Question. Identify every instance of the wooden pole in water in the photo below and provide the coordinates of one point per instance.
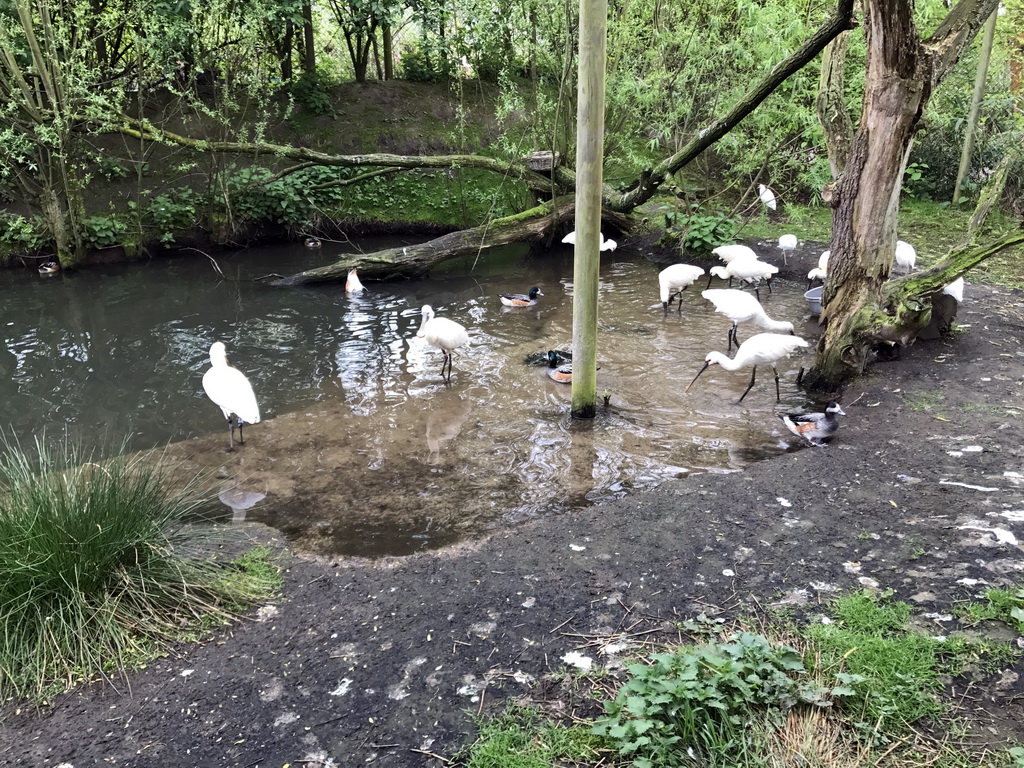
(589, 178)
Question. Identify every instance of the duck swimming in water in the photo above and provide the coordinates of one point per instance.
(521, 299)
(312, 242)
(560, 373)
(814, 427)
(49, 267)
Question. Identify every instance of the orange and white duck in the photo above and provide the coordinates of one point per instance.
(312, 242)
(521, 299)
(814, 427)
(560, 373)
(49, 267)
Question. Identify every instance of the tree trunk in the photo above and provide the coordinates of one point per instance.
(902, 72)
(308, 42)
(418, 260)
(389, 54)
(286, 53)
(831, 104)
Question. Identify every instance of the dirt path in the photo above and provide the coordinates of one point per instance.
(377, 662)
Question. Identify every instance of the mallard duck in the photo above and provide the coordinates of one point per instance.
(49, 267)
(521, 299)
(814, 427)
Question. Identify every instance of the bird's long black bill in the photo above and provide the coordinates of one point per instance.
(696, 377)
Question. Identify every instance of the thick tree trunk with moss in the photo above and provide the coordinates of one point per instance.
(902, 71)
(418, 260)
(831, 104)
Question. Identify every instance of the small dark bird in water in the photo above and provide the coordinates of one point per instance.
(814, 427)
(520, 299)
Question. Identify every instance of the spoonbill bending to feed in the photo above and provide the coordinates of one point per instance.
(906, 256)
(741, 307)
(787, 243)
(606, 245)
(751, 271)
(521, 299)
(729, 253)
(956, 290)
(444, 334)
(814, 427)
(676, 279)
(821, 271)
(352, 283)
(231, 392)
(767, 196)
(761, 349)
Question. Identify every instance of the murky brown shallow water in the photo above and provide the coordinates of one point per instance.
(364, 449)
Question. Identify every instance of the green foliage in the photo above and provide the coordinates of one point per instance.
(172, 212)
(703, 699)
(916, 182)
(1006, 605)
(419, 64)
(21, 234)
(520, 737)
(103, 231)
(704, 231)
(311, 94)
(896, 671)
(99, 566)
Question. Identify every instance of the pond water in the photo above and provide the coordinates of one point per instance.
(120, 350)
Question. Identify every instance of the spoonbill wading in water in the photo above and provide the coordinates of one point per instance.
(761, 349)
(231, 392)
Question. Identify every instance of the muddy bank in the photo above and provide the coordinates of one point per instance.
(922, 492)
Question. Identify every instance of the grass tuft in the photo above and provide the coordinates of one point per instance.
(99, 567)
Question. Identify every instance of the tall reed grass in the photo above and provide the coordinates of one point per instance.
(100, 566)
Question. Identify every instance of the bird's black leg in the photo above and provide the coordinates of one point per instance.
(769, 281)
(241, 441)
(757, 291)
(778, 395)
(753, 373)
(679, 296)
(728, 339)
(231, 434)
(736, 336)
(710, 276)
(800, 377)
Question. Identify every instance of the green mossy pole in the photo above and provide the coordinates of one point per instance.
(589, 178)
(979, 92)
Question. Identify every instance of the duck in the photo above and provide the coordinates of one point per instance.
(49, 267)
(352, 282)
(521, 299)
(814, 427)
(312, 242)
(560, 373)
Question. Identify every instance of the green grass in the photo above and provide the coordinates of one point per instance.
(520, 737)
(1006, 605)
(99, 568)
(924, 400)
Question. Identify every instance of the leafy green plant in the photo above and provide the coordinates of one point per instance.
(917, 183)
(705, 231)
(22, 234)
(1006, 605)
(99, 567)
(701, 700)
(104, 231)
(311, 94)
(172, 212)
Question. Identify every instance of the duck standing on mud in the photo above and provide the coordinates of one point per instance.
(814, 427)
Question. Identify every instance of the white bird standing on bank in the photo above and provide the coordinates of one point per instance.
(787, 243)
(761, 349)
(728, 253)
(821, 271)
(752, 271)
(231, 392)
(767, 196)
(606, 245)
(741, 307)
(906, 256)
(674, 280)
(445, 334)
(352, 282)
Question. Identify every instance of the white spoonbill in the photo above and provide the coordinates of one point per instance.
(906, 256)
(676, 279)
(231, 392)
(760, 349)
(820, 272)
(956, 290)
(752, 271)
(729, 253)
(741, 307)
(352, 283)
(787, 243)
(767, 196)
(444, 334)
(606, 245)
